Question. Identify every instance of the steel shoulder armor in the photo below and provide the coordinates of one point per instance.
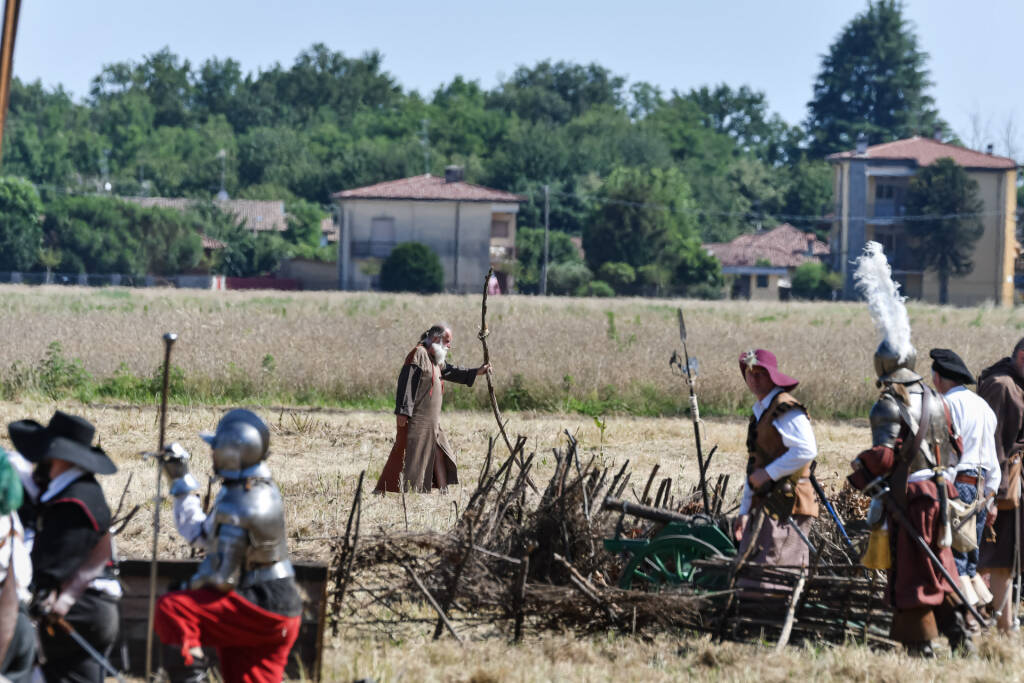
(885, 420)
(892, 412)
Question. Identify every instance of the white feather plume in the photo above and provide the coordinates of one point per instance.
(873, 279)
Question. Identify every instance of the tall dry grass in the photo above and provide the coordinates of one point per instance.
(316, 458)
(555, 353)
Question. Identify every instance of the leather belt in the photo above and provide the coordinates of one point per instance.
(964, 478)
(270, 572)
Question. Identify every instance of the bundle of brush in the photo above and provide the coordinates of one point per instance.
(513, 557)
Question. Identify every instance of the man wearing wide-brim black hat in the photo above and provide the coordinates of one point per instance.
(72, 540)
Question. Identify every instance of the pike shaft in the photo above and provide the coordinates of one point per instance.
(832, 512)
(169, 340)
(701, 465)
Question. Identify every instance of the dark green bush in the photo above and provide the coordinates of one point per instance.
(706, 290)
(568, 277)
(596, 288)
(620, 276)
(412, 267)
(814, 280)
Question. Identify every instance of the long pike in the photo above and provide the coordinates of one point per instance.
(694, 413)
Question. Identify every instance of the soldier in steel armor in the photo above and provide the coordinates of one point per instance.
(913, 447)
(243, 600)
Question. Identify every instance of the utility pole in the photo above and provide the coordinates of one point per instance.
(222, 154)
(544, 265)
(425, 142)
(455, 266)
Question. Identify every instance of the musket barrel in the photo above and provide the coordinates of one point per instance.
(644, 511)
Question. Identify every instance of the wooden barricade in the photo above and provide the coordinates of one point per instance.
(306, 656)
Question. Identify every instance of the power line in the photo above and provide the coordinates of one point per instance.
(804, 218)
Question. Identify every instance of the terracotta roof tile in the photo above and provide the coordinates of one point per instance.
(783, 247)
(212, 243)
(259, 215)
(924, 151)
(429, 188)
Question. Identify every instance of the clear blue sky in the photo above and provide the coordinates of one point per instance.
(772, 46)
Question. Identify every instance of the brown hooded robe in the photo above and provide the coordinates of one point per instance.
(1002, 386)
(421, 449)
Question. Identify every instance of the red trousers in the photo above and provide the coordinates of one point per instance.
(252, 643)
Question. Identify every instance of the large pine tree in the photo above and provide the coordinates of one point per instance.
(873, 80)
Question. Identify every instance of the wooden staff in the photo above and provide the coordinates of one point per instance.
(169, 340)
(482, 336)
(10, 29)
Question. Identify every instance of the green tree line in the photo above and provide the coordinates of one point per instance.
(715, 159)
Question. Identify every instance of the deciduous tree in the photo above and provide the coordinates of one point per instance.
(20, 233)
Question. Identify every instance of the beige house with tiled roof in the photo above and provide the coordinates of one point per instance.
(870, 185)
(259, 215)
(469, 227)
(761, 264)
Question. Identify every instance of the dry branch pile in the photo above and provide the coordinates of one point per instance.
(516, 559)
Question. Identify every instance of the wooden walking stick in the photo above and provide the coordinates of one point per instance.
(482, 336)
(169, 340)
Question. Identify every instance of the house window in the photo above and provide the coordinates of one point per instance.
(382, 229)
(888, 242)
(499, 228)
(884, 191)
(762, 281)
(382, 237)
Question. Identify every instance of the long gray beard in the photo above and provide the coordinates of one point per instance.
(439, 352)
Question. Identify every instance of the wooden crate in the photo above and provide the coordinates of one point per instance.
(305, 657)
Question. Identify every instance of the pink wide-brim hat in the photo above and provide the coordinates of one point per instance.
(766, 360)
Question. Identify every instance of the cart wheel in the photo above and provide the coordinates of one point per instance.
(667, 560)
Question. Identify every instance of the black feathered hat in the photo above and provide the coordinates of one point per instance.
(951, 366)
(66, 437)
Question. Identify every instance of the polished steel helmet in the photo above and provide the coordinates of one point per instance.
(242, 440)
(890, 368)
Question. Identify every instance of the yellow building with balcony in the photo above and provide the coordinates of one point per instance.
(870, 186)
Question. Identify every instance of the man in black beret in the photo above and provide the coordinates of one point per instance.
(977, 473)
(72, 552)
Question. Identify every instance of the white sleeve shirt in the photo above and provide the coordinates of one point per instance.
(976, 424)
(22, 560)
(801, 447)
(192, 523)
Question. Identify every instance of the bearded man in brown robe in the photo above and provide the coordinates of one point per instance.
(421, 452)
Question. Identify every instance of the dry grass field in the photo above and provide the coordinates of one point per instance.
(343, 348)
(607, 355)
(317, 457)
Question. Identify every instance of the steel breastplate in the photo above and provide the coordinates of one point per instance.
(279, 570)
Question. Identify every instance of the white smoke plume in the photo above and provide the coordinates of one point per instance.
(873, 279)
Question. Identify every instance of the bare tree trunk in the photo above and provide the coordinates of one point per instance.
(943, 287)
